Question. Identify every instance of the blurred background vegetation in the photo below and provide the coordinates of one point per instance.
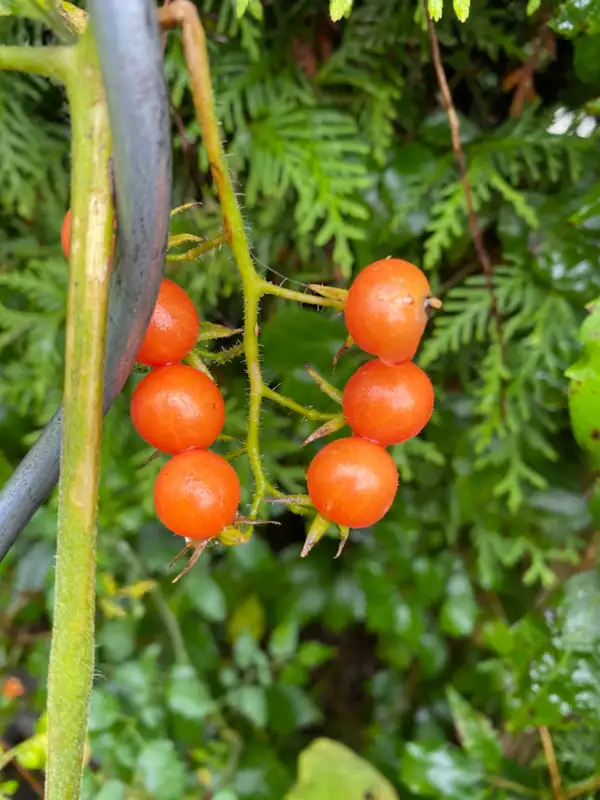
(455, 646)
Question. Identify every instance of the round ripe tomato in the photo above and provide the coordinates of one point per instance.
(388, 403)
(386, 310)
(176, 408)
(173, 327)
(65, 234)
(352, 482)
(196, 494)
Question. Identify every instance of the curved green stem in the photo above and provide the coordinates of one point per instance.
(50, 62)
(299, 297)
(287, 402)
(72, 654)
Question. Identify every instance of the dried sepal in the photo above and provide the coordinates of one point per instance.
(344, 534)
(198, 549)
(348, 343)
(331, 426)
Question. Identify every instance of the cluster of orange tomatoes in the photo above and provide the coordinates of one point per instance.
(353, 481)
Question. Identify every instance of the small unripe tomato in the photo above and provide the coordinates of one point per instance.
(196, 494)
(388, 403)
(175, 408)
(173, 327)
(65, 234)
(386, 310)
(352, 482)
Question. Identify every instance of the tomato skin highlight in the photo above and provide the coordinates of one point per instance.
(175, 408)
(65, 234)
(173, 327)
(197, 494)
(388, 404)
(352, 482)
(386, 311)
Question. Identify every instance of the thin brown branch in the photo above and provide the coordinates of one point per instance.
(448, 103)
(550, 755)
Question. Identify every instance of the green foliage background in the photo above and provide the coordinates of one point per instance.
(468, 618)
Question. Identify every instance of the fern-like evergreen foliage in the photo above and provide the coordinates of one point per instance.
(466, 625)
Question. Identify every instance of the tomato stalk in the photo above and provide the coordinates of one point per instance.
(183, 14)
(72, 653)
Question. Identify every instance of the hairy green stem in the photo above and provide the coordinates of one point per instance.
(72, 654)
(267, 287)
(202, 249)
(49, 62)
(287, 402)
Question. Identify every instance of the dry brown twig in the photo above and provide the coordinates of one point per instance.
(448, 103)
(550, 755)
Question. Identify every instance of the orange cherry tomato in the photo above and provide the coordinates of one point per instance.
(196, 494)
(352, 482)
(173, 327)
(175, 408)
(386, 310)
(388, 403)
(65, 234)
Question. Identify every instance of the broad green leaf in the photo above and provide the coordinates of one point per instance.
(112, 790)
(532, 6)
(579, 612)
(161, 771)
(186, 695)
(475, 731)
(250, 702)
(441, 772)
(207, 598)
(461, 9)
(436, 9)
(284, 640)
(339, 9)
(328, 769)
(104, 710)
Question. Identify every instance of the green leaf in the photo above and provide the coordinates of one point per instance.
(241, 7)
(284, 640)
(249, 618)
(436, 9)
(532, 6)
(579, 612)
(584, 390)
(459, 611)
(475, 731)
(250, 702)
(328, 769)
(441, 772)
(104, 711)
(207, 598)
(186, 695)
(161, 771)
(112, 790)
(461, 9)
(339, 9)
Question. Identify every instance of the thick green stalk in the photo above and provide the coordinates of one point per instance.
(50, 62)
(72, 654)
